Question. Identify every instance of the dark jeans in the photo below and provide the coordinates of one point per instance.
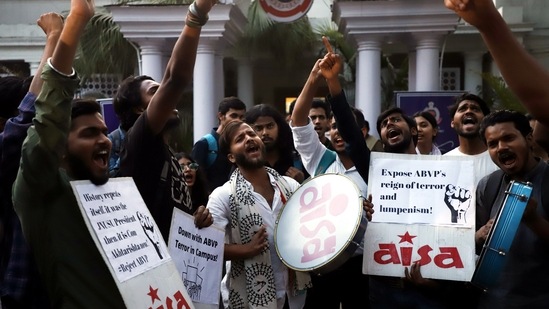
(346, 287)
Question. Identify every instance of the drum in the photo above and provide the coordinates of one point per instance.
(321, 225)
(501, 235)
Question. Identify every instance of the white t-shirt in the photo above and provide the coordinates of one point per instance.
(483, 163)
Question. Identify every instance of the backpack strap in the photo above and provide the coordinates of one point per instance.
(491, 190)
(327, 159)
(212, 149)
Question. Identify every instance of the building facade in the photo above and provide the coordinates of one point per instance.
(442, 52)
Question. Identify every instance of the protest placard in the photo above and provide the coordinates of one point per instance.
(198, 255)
(131, 244)
(424, 211)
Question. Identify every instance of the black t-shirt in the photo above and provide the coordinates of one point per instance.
(156, 172)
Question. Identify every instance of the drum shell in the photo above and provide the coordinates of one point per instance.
(501, 235)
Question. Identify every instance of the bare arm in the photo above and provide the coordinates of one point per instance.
(300, 114)
(52, 25)
(524, 75)
(178, 74)
(80, 13)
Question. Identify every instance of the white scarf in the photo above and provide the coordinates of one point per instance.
(251, 281)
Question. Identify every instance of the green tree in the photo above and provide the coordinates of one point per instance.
(496, 93)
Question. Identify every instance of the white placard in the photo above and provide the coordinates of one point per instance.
(424, 211)
(131, 244)
(198, 255)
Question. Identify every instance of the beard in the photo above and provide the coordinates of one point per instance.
(270, 145)
(400, 147)
(80, 171)
(242, 162)
(468, 135)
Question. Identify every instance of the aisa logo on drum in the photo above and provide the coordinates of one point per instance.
(389, 253)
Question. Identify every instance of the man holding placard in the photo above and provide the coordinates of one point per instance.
(65, 144)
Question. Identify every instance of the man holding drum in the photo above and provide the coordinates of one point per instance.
(345, 286)
(247, 207)
(528, 80)
(523, 279)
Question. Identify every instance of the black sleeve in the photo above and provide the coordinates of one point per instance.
(351, 133)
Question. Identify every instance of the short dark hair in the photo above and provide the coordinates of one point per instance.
(468, 97)
(81, 107)
(359, 118)
(230, 102)
(520, 121)
(411, 122)
(317, 103)
(227, 136)
(12, 91)
(127, 98)
(285, 142)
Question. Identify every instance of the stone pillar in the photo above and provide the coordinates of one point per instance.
(368, 80)
(412, 68)
(220, 80)
(472, 71)
(245, 82)
(427, 63)
(151, 60)
(204, 89)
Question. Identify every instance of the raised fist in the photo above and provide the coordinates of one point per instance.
(458, 201)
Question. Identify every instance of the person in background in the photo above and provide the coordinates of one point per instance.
(206, 150)
(131, 99)
(373, 143)
(276, 134)
(320, 114)
(195, 179)
(467, 113)
(538, 150)
(12, 90)
(20, 282)
(427, 130)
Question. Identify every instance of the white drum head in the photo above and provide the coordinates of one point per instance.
(318, 222)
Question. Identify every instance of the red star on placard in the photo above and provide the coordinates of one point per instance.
(406, 237)
(153, 293)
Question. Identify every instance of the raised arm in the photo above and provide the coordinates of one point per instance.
(80, 13)
(300, 114)
(330, 67)
(524, 75)
(180, 68)
(52, 25)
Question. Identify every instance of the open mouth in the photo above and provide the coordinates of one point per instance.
(101, 158)
(507, 158)
(338, 142)
(188, 177)
(252, 148)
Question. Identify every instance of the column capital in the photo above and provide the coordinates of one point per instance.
(368, 42)
(427, 40)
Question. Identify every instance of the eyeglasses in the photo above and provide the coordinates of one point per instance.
(192, 166)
